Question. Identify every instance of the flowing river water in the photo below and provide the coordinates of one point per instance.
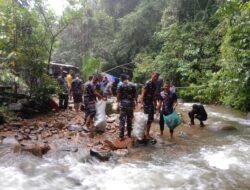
(203, 160)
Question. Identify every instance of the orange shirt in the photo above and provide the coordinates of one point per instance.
(69, 79)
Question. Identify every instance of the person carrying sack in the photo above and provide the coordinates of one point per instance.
(167, 103)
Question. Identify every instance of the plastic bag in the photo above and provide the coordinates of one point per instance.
(140, 124)
(100, 117)
(172, 120)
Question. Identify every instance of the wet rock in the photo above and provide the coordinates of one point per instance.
(221, 127)
(39, 130)
(54, 131)
(100, 154)
(59, 125)
(2, 138)
(75, 127)
(16, 124)
(35, 149)
(145, 142)
(27, 131)
(118, 144)
(121, 152)
(33, 137)
(32, 127)
(41, 124)
(9, 140)
(19, 137)
(69, 149)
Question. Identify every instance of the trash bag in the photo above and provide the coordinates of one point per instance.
(140, 124)
(100, 117)
(172, 120)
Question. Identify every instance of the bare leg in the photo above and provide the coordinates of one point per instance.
(148, 130)
(171, 133)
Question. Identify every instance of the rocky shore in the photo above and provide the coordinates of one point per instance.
(65, 131)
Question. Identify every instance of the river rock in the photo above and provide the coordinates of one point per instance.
(27, 131)
(35, 149)
(121, 152)
(9, 140)
(75, 127)
(69, 149)
(2, 138)
(59, 125)
(117, 144)
(100, 154)
(221, 127)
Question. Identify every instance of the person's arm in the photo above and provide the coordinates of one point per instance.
(159, 106)
(98, 95)
(118, 97)
(175, 103)
(144, 90)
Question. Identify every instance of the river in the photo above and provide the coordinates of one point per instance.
(206, 160)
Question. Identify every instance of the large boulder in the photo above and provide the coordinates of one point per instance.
(100, 154)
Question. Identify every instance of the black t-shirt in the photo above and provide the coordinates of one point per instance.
(76, 86)
(89, 91)
(149, 95)
(168, 99)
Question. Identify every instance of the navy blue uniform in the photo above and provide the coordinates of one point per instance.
(127, 95)
(76, 88)
(89, 99)
(64, 95)
(148, 100)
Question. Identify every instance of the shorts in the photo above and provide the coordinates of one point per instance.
(150, 110)
(90, 109)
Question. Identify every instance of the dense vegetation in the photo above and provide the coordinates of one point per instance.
(200, 45)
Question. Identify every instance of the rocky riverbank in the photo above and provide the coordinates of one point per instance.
(65, 131)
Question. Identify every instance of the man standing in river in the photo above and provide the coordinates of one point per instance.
(148, 98)
(167, 103)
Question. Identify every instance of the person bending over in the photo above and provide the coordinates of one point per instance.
(198, 112)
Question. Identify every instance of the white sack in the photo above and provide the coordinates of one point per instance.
(100, 117)
(140, 124)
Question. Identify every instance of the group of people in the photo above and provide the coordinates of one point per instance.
(153, 99)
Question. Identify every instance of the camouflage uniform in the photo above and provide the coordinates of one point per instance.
(148, 101)
(89, 99)
(127, 93)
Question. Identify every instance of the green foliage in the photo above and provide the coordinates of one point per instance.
(23, 43)
(235, 55)
(6, 114)
(91, 65)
